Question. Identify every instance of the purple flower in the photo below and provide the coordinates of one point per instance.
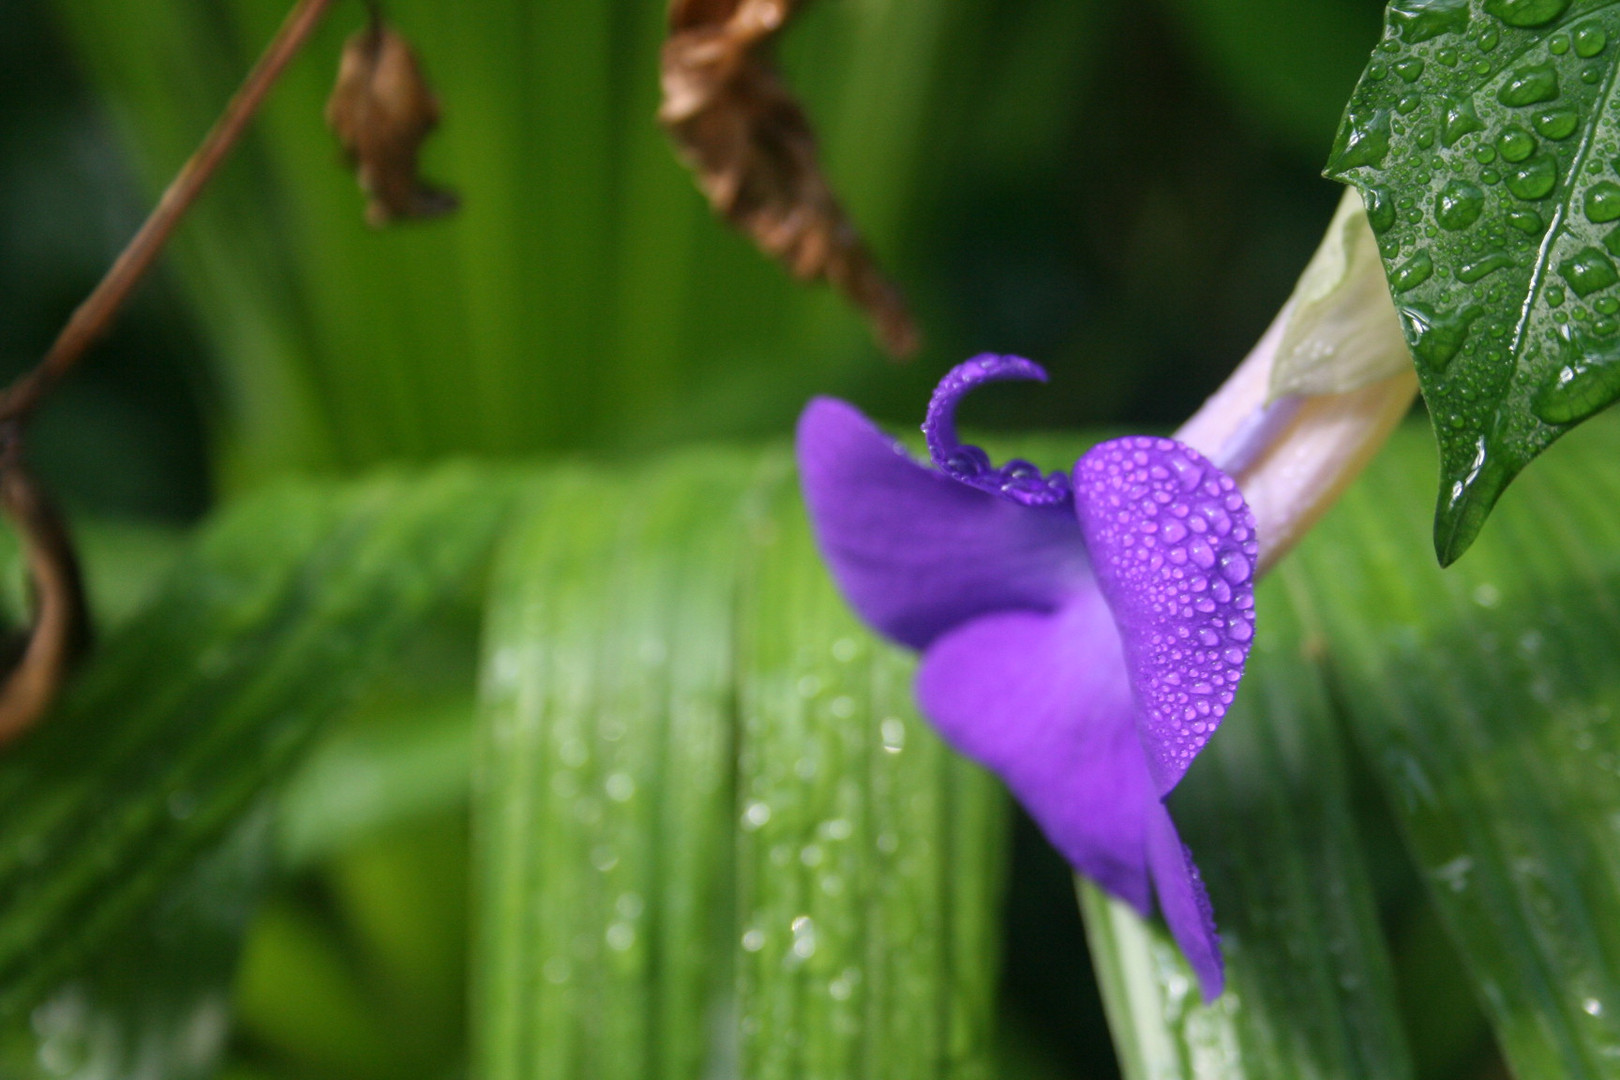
(1082, 635)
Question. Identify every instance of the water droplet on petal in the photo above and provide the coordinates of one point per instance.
(1235, 568)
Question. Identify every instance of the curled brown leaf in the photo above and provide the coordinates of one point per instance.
(59, 633)
(753, 153)
(381, 110)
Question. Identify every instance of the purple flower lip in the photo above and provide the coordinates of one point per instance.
(1019, 480)
(1081, 635)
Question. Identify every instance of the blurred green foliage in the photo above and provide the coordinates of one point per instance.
(1123, 192)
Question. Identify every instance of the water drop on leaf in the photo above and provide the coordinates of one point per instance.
(1515, 144)
(1586, 385)
(1526, 221)
(1529, 86)
(1412, 273)
(1526, 13)
(1437, 338)
(1590, 40)
(1364, 141)
(1421, 20)
(1603, 202)
(1534, 179)
(1557, 123)
(1380, 209)
(1459, 205)
(1587, 271)
(1410, 69)
(1461, 119)
(1484, 266)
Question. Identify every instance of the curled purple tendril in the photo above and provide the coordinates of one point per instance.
(1018, 480)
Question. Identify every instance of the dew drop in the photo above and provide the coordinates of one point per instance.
(1526, 13)
(1461, 119)
(967, 462)
(1557, 123)
(1366, 141)
(1235, 568)
(1380, 208)
(1412, 273)
(1436, 338)
(1482, 267)
(1420, 20)
(1535, 179)
(1588, 270)
(1515, 144)
(756, 815)
(1526, 221)
(1603, 202)
(1458, 205)
(1581, 389)
(1410, 69)
(1529, 86)
(804, 937)
(1589, 40)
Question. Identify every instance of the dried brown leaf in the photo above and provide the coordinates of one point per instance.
(60, 629)
(381, 110)
(753, 153)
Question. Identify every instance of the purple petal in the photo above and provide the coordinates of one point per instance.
(1173, 547)
(1017, 480)
(1043, 701)
(1184, 902)
(915, 552)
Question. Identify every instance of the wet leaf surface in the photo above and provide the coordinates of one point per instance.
(1485, 140)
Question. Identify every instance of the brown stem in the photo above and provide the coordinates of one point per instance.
(93, 317)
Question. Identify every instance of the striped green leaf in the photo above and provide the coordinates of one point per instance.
(715, 839)
(1484, 697)
(195, 706)
(1267, 814)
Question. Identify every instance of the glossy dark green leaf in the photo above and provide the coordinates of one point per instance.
(1484, 139)
(1485, 699)
(196, 705)
(1267, 813)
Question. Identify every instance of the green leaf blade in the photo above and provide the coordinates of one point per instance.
(1484, 139)
(1482, 698)
(1267, 813)
(201, 702)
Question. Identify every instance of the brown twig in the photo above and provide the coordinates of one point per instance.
(60, 630)
(60, 626)
(90, 321)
